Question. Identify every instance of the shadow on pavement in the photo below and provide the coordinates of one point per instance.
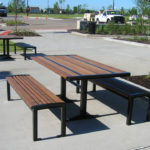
(4, 74)
(120, 104)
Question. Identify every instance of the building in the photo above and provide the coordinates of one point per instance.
(34, 10)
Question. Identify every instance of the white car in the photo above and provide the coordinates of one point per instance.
(133, 17)
(109, 15)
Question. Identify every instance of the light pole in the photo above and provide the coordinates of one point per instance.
(113, 5)
(27, 9)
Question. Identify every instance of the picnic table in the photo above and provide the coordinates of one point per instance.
(6, 39)
(74, 68)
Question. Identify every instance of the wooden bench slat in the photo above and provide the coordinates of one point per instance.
(49, 93)
(28, 86)
(35, 91)
(21, 92)
(27, 90)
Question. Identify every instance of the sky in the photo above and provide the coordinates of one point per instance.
(91, 4)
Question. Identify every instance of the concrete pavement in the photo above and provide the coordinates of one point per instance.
(107, 132)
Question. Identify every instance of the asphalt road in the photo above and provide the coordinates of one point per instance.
(43, 23)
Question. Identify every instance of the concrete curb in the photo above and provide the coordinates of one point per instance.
(50, 30)
(126, 42)
(111, 39)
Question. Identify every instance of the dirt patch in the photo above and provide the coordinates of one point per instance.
(141, 80)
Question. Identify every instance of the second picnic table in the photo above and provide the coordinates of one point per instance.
(74, 68)
(6, 39)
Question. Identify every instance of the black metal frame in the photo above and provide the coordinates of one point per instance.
(83, 96)
(130, 104)
(35, 110)
(35, 120)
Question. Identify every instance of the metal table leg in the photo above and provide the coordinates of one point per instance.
(63, 88)
(83, 97)
(7, 42)
(4, 47)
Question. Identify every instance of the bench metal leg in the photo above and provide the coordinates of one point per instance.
(63, 120)
(129, 112)
(35, 50)
(14, 48)
(8, 91)
(148, 111)
(77, 88)
(63, 88)
(94, 87)
(24, 53)
(35, 124)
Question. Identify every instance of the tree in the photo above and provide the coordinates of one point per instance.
(75, 9)
(56, 7)
(143, 6)
(68, 9)
(122, 11)
(61, 2)
(20, 5)
(110, 7)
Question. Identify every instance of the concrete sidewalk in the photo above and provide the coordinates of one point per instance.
(107, 132)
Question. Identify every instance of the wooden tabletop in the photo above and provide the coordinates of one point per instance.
(6, 37)
(73, 67)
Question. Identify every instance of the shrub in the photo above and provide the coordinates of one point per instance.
(25, 32)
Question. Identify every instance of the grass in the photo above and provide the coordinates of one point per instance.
(139, 39)
(148, 76)
(25, 32)
(12, 22)
(57, 16)
(11, 47)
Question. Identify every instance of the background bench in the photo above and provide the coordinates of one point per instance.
(37, 97)
(126, 90)
(24, 46)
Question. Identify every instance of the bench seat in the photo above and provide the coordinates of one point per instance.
(124, 89)
(37, 97)
(24, 46)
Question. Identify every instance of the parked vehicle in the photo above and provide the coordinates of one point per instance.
(89, 16)
(133, 17)
(3, 11)
(109, 15)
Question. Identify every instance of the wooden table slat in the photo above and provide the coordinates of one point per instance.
(111, 69)
(70, 65)
(57, 69)
(93, 69)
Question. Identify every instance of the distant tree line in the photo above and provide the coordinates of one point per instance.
(143, 8)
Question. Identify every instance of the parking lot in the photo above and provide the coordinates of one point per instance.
(43, 23)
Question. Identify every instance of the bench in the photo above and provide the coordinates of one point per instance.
(37, 97)
(24, 46)
(126, 90)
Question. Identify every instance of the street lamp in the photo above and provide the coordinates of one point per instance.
(113, 5)
(27, 9)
